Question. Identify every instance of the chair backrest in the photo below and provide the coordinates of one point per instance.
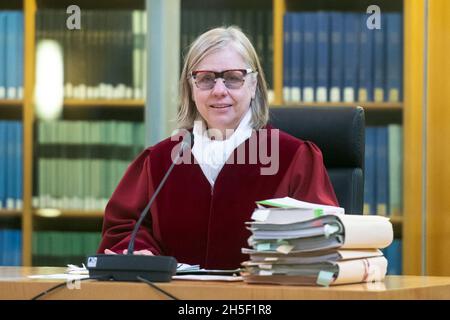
(339, 133)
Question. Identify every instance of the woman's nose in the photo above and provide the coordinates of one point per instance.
(219, 87)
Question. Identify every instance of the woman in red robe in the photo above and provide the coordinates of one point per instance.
(236, 159)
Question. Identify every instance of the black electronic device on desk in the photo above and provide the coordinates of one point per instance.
(128, 267)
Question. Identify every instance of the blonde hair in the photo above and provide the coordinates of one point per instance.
(207, 43)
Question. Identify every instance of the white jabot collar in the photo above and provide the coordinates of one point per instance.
(211, 155)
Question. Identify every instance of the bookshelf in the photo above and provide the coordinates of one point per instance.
(31, 219)
(407, 112)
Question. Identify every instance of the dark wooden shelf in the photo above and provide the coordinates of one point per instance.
(62, 213)
(104, 103)
(6, 213)
(11, 102)
(365, 105)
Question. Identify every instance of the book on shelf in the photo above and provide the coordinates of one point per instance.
(91, 71)
(333, 56)
(383, 186)
(11, 159)
(11, 54)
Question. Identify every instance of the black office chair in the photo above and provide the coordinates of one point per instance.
(339, 133)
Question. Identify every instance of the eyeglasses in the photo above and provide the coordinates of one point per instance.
(232, 79)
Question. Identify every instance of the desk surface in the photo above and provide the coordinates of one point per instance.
(14, 284)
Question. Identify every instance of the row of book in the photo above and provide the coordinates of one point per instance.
(10, 247)
(11, 170)
(79, 163)
(256, 23)
(11, 54)
(334, 56)
(58, 248)
(299, 243)
(105, 58)
(383, 180)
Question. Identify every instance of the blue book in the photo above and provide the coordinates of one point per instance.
(17, 248)
(323, 56)
(393, 254)
(19, 53)
(7, 247)
(3, 156)
(18, 165)
(2, 55)
(296, 56)
(2, 246)
(394, 63)
(369, 171)
(309, 56)
(379, 60)
(11, 54)
(382, 171)
(10, 165)
(337, 56)
(351, 56)
(365, 81)
(287, 51)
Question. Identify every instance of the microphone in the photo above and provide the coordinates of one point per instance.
(130, 267)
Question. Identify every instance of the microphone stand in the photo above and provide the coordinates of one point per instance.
(130, 267)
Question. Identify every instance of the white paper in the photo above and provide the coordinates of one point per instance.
(288, 202)
(59, 276)
(361, 270)
(364, 232)
(207, 277)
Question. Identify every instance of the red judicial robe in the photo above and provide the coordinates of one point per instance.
(200, 224)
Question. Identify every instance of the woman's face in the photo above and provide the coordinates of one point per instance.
(221, 107)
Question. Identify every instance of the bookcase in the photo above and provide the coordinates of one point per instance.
(407, 224)
(65, 227)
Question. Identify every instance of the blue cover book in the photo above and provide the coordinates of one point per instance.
(365, 90)
(393, 254)
(12, 22)
(2, 246)
(287, 52)
(18, 165)
(10, 165)
(296, 56)
(369, 171)
(379, 53)
(394, 64)
(309, 56)
(382, 171)
(7, 247)
(3, 156)
(19, 53)
(17, 247)
(323, 56)
(337, 56)
(351, 56)
(2, 55)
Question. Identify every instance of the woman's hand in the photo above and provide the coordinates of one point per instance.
(144, 252)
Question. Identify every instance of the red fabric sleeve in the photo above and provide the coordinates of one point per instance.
(125, 206)
(307, 178)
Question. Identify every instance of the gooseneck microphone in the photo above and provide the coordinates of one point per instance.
(185, 144)
(130, 267)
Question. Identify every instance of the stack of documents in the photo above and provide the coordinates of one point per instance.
(302, 243)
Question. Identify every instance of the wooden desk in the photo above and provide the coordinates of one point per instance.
(14, 284)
